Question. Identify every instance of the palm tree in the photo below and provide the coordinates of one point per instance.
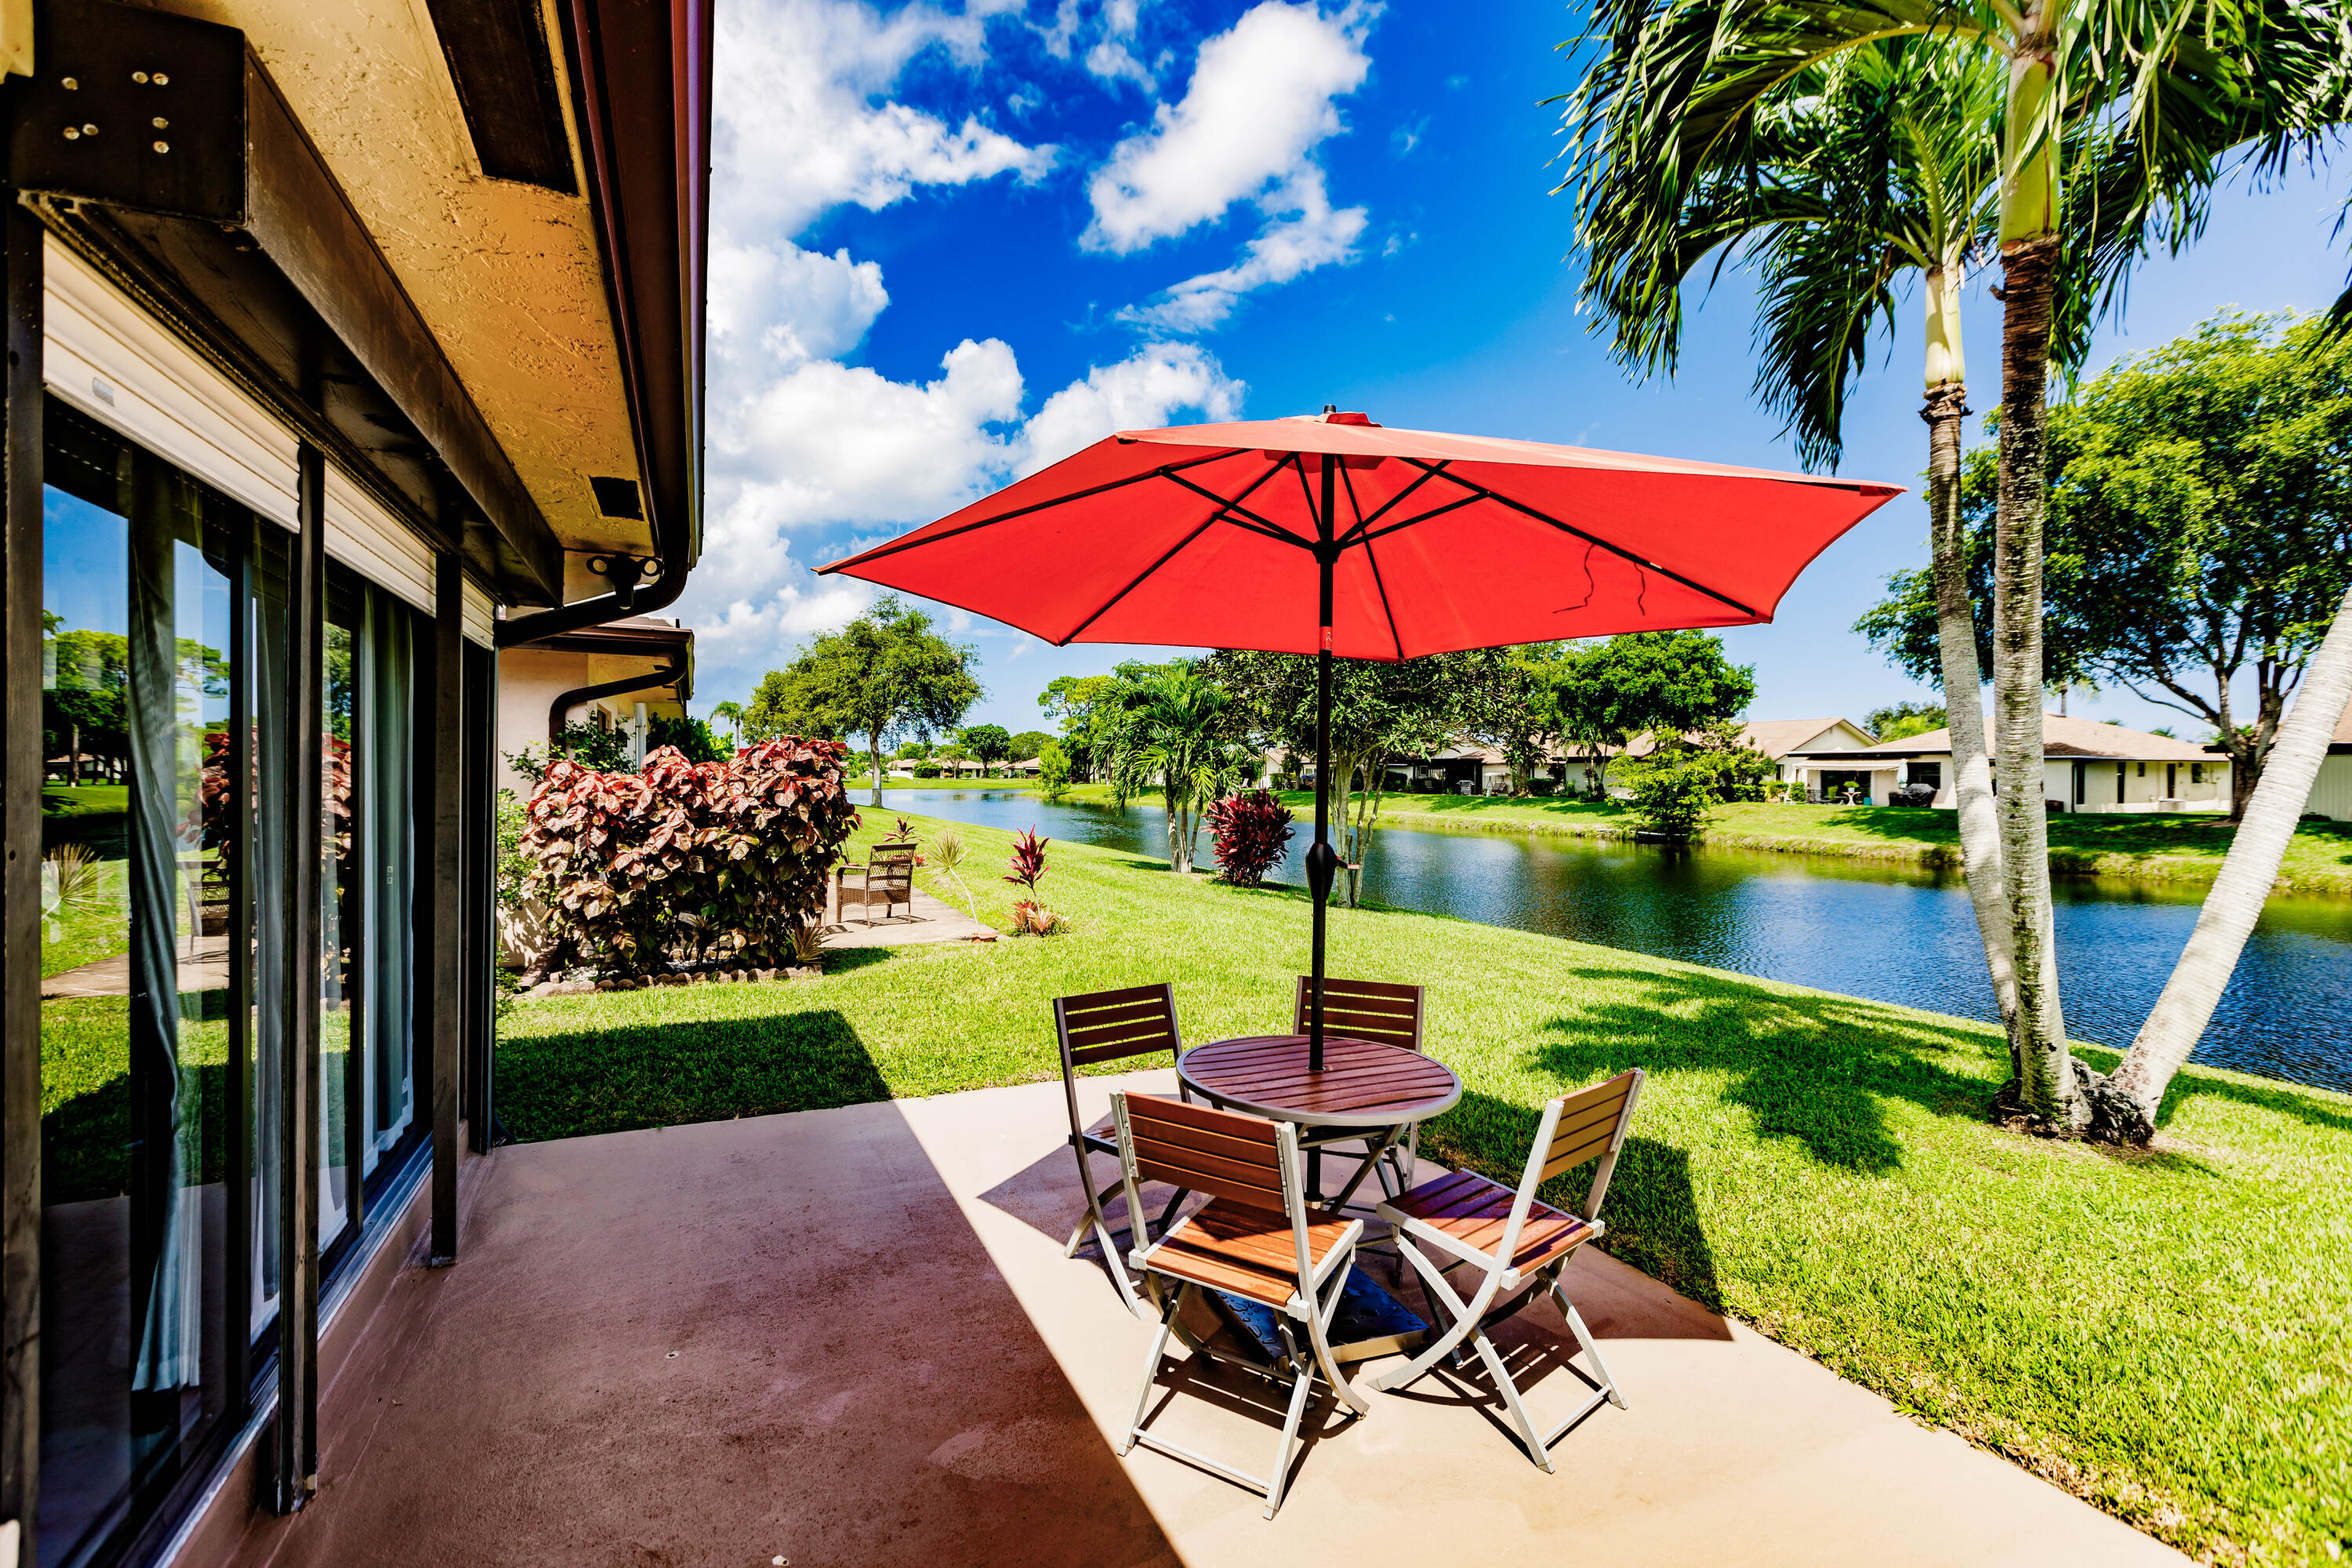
(732, 715)
(1174, 736)
(2165, 88)
(1869, 165)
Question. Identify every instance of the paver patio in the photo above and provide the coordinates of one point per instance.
(849, 1337)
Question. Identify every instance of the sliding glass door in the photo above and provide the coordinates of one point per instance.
(167, 941)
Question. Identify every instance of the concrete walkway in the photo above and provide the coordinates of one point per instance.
(849, 1337)
(933, 921)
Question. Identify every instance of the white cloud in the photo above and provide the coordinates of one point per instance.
(775, 306)
(1260, 101)
(1313, 235)
(1110, 60)
(1142, 392)
(798, 129)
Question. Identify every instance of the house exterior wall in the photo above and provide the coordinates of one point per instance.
(530, 678)
(2331, 791)
(2144, 785)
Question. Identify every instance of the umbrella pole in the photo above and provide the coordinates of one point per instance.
(1322, 863)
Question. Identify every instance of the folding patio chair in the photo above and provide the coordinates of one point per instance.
(1372, 1010)
(1277, 1268)
(1109, 1025)
(1517, 1246)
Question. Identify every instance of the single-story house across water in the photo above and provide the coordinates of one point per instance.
(2331, 792)
(2086, 766)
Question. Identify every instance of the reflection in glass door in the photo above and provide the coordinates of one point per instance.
(141, 1080)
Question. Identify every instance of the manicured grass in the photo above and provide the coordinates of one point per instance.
(2183, 848)
(2161, 1333)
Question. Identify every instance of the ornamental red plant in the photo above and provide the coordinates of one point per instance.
(1250, 832)
(691, 861)
(1028, 860)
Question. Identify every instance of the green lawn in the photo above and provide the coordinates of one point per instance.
(2184, 847)
(2160, 1333)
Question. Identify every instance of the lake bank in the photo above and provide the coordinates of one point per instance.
(2155, 847)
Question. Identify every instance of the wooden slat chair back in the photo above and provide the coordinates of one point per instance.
(1373, 1010)
(1105, 1027)
(1515, 1244)
(1257, 1240)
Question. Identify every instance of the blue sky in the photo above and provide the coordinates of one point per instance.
(951, 245)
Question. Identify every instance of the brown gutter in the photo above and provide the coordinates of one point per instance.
(675, 674)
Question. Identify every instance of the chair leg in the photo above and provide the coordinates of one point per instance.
(1531, 1440)
(1465, 1317)
(1584, 1340)
(1301, 1387)
(1150, 1372)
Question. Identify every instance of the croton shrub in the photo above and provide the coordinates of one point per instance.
(687, 862)
(1251, 832)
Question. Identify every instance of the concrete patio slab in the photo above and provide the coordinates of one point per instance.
(931, 921)
(849, 1337)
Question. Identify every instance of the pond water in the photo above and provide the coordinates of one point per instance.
(1891, 931)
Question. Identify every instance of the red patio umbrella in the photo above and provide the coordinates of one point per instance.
(1332, 535)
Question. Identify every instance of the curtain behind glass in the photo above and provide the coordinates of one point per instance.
(383, 683)
(273, 782)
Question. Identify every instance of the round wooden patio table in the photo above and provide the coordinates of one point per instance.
(1366, 1089)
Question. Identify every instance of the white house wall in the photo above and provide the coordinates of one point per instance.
(2331, 791)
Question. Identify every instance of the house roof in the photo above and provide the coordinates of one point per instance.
(2060, 737)
(1776, 738)
(2342, 740)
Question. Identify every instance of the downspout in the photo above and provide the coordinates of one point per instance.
(670, 675)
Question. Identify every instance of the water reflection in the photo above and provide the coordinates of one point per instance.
(1878, 928)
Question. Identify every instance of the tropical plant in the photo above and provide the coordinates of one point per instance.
(689, 737)
(729, 718)
(947, 854)
(883, 673)
(1674, 791)
(592, 746)
(1179, 737)
(687, 860)
(1250, 831)
(1028, 861)
(1029, 744)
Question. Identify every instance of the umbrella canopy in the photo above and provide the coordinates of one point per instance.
(1208, 535)
(1332, 535)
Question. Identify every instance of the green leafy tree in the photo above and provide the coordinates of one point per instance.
(990, 743)
(912, 751)
(1030, 744)
(1656, 683)
(1180, 736)
(951, 752)
(1901, 721)
(1378, 711)
(1514, 711)
(884, 674)
(1053, 770)
(691, 737)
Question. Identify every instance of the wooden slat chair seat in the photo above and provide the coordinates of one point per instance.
(1516, 1245)
(1104, 1027)
(1256, 1238)
(1371, 1010)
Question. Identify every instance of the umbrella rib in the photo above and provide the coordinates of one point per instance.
(1234, 512)
(1456, 505)
(1166, 470)
(1363, 523)
(1104, 607)
(1395, 639)
(1481, 492)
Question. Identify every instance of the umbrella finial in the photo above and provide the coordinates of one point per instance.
(1331, 408)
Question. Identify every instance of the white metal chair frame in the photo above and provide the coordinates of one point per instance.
(1554, 1153)
(1098, 1020)
(1311, 1306)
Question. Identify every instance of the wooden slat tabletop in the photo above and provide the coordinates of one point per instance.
(1363, 1083)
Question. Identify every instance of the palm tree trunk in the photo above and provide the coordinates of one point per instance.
(2047, 1072)
(1947, 406)
(2230, 910)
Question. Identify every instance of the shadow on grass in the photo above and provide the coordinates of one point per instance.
(1821, 1070)
(663, 1075)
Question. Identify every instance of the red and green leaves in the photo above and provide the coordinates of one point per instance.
(1250, 831)
(691, 861)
